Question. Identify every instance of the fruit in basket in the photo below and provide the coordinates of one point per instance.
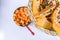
(56, 20)
(44, 13)
(43, 22)
(35, 7)
(40, 16)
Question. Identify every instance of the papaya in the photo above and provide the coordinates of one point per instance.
(47, 10)
(35, 6)
(56, 24)
(42, 22)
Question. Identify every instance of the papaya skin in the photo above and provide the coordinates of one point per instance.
(56, 28)
(56, 25)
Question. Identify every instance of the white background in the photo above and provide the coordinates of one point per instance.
(10, 31)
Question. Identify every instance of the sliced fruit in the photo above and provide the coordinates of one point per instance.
(47, 10)
(43, 22)
(35, 6)
(41, 1)
(56, 24)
